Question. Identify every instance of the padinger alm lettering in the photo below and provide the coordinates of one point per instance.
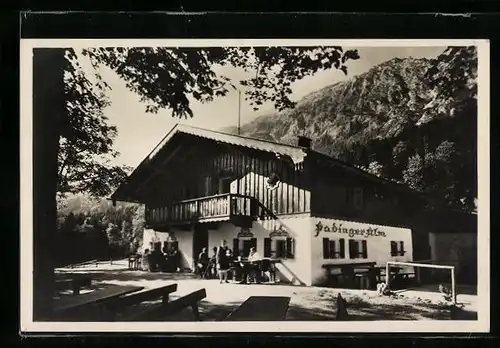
(351, 232)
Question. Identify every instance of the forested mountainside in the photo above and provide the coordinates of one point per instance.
(408, 120)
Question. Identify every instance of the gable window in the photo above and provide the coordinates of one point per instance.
(333, 249)
(358, 249)
(397, 248)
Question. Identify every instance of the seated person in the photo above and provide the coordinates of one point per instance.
(254, 256)
(203, 263)
(251, 269)
(269, 268)
(230, 259)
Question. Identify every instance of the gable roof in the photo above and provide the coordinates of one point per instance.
(295, 153)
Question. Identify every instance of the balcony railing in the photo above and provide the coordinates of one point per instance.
(212, 208)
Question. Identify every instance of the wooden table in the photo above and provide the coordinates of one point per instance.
(97, 296)
(261, 308)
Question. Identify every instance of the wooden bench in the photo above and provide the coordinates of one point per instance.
(261, 308)
(139, 297)
(80, 306)
(81, 264)
(75, 284)
(164, 310)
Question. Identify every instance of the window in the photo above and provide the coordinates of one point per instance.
(283, 247)
(358, 249)
(397, 248)
(357, 198)
(280, 248)
(333, 249)
(241, 247)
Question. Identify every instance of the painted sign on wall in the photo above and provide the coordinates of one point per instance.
(351, 232)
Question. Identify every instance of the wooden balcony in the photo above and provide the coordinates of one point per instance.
(226, 207)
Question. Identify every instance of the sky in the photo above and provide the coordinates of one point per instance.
(139, 132)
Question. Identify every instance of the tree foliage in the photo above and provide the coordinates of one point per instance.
(86, 139)
(166, 77)
(110, 230)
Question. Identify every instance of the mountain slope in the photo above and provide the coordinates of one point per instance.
(377, 104)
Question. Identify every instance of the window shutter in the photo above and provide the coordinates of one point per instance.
(394, 248)
(402, 248)
(352, 249)
(236, 247)
(254, 243)
(267, 247)
(332, 249)
(342, 248)
(326, 248)
(289, 248)
(364, 246)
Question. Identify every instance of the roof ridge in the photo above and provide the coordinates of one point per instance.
(239, 136)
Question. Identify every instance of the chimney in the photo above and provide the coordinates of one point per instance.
(304, 142)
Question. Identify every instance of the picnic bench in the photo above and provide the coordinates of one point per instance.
(364, 280)
(78, 305)
(74, 283)
(397, 276)
(166, 309)
(117, 304)
(261, 308)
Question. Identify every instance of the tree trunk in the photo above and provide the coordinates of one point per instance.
(48, 111)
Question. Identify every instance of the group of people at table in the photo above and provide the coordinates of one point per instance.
(166, 259)
(223, 262)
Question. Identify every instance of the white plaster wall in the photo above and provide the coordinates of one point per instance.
(298, 226)
(150, 235)
(185, 242)
(378, 247)
(184, 239)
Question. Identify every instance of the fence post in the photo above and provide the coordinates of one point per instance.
(453, 286)
(387, 275)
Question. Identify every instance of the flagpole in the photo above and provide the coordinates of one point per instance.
(239, 111)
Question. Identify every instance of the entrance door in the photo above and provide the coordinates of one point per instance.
(224, 185)
(200, 240)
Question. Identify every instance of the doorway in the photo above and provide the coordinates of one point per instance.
(224, 185)
(200, 240)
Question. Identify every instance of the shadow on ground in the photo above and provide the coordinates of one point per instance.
(317, 306)
(461, 289)
(127, 275)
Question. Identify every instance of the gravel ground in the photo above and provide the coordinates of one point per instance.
(306, 304)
